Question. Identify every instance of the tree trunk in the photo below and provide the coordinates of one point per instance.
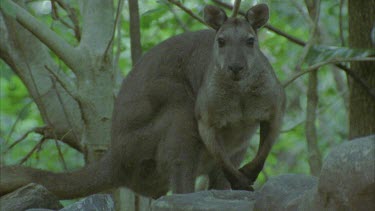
(361, 105)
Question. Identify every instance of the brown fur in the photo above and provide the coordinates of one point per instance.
(180, 114)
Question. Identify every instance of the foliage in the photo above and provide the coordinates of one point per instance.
(158, 22)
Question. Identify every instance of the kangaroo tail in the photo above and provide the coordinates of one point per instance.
(91, 179)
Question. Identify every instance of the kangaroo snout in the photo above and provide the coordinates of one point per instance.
(235, 68)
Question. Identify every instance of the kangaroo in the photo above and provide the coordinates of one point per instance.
(187, 108)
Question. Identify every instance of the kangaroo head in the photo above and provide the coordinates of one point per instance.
(236, 48)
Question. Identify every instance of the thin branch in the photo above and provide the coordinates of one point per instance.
(61, 156)
(188, 11)
(267, 26)
(16, 122)
(236, 8)
(312, 40)
(59, 46)
(301, 10)
(67, 119)
(284, 34)
(118, 12)
(178, 19)
(341, 23)
(117, 71)
(314, 155)
(65, 83)
(135, 33)
(292, 127)
(19, 140)
(333, 61)
(358, 79)
(56, 16)
(37, 146)
(72, 14)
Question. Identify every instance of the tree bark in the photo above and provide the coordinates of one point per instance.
(361, 105)
(74, 104)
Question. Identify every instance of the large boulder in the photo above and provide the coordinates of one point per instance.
(347, 179)
(29, 196)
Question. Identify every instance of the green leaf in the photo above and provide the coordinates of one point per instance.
(326, 53)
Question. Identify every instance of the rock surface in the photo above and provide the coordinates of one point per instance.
(97, 202)
(29, 196)
(347, 179)
(285, 192)
(214, 200)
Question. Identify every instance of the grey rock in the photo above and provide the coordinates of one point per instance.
(225, 200)
(347, 179)
(285, 192)
(30, 196)
(96, 202)
(346, 182)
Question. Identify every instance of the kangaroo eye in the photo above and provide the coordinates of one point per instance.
(221, 42)
(250, 41)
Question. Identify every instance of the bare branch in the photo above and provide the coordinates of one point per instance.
(292, 127)
(16, 122)
(117, 71)
(314, 155)
(314, 34)
(341, 23)
(267, 26)
(370, 91)
(178, 19)
(72, 14)
(23, 137)
(118, 17)
(60, 47)
(301, 10)
(333, 61)
(188, 11)
(37, 146)
(61, 156)
(66, 117)
(65, 83)
(135, 33)
(236, 8)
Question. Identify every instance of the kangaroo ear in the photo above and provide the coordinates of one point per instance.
(258, 15)
(214, 16)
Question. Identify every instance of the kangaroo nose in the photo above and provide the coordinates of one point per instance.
(235, 68)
